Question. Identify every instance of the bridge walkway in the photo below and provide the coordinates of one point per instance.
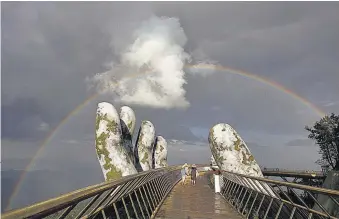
(195, 202)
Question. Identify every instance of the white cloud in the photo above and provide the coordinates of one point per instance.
(157, 48)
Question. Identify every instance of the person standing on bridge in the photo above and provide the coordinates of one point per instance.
(194, 173)
(184, 171)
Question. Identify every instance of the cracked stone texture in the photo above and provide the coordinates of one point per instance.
(145, 146)
(160, 152)
(232, 154)
(113, 158)
(127, 120)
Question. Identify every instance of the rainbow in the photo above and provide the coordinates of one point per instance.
(263, 80)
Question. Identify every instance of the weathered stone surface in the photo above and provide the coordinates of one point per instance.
(213, 163)
(113, 158)
(232, 154)
(230, 151)
(127, 119)
(144, 146)
(160, 152)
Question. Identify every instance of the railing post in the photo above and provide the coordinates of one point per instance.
(217, 182)
(140, 206)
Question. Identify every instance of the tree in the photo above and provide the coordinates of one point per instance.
(326, 134)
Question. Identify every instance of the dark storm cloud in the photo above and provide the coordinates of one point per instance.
(49, 48)
(24, 118)
(44, 62)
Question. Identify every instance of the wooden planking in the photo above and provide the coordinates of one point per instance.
(196, 202)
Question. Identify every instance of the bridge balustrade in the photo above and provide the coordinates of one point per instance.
(263, 198)
(141, 196)
(135, 196)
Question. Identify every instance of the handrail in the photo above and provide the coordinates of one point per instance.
(296, 174)
(65, 201)
(290, 170)
(261, 197)
(292, 185)
(144, 192)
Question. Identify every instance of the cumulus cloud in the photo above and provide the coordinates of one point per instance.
(157, 55)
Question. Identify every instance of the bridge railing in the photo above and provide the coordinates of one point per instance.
(256, 197)
(282, 170)
(135, 196)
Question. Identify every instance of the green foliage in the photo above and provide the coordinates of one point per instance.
(325, 132)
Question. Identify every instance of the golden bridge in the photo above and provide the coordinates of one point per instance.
(158, 193)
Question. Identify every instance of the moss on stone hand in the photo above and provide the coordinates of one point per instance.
(97, 122)
(251, 158)
(247, 159)
(113, 174)
(101, 146)
(141, 136)
(145, 158)
(215, 147)
(244, 158)
(129, 125)
(99, 118)
(101, 141)
(238, 144)
(112, 126)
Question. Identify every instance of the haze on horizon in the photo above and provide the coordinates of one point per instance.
(56, 54)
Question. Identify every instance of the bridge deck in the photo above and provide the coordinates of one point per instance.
(193, 202)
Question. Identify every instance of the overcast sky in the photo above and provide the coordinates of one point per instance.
(49, 49)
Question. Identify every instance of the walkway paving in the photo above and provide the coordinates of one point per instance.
(195, 202)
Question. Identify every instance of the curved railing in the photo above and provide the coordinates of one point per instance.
(253, 198)
(135, 196)
(293, 173)
(141, 195)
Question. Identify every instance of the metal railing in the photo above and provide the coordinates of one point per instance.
(142, 194)
(290, 170)
(255, 197)
(293, 173)
(136, 196)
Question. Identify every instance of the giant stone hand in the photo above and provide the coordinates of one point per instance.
(230, 151)
(231, 154)
(113, 142)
